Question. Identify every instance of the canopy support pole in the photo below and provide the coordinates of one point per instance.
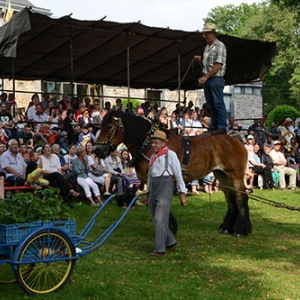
(128, 70)
(72, 63)
(178, 74)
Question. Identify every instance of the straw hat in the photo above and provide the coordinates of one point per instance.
(209, 27)
(276, 143)
(158, 134)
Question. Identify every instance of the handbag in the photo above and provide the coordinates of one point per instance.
(99, 171)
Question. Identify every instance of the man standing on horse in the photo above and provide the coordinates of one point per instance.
(164, 166)
(214, 66)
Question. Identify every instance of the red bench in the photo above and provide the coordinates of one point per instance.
(8, 187)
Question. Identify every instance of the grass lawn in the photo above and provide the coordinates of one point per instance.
(207, 265)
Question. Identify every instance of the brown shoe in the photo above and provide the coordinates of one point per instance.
(156, 254)
(172, 247)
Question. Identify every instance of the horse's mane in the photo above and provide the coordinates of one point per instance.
(135, 128)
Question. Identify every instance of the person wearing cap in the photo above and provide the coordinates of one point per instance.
(214, 67)
(64, 142)
(250, 142)
(163, 167)
(280, 166)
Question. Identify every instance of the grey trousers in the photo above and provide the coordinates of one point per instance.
(160, 201)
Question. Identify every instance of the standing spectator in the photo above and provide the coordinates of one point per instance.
(13, 164)
(280, 166)
(214, 66)
(35, 99)
(164, 166)
(81, 169)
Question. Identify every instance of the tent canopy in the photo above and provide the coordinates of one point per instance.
(72, 50)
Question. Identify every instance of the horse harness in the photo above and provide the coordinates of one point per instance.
(147, 142)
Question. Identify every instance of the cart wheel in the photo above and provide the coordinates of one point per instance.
(44, 262)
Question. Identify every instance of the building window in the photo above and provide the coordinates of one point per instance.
(237, 90)
(248, 90)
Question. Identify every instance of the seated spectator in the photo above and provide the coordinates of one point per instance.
(34, 174)
(35, 100)
(66, 169)
(267, 160)
(258, 167)
(205, 123)
(208, 181)
(2, 174)
(24, 153)
(174, 123)
(85, 136)
(129, 172)
(98, 171)
(195, 123)
(25, 136)
(163, 118)
(249, 177)
(280, 166)
(236, 132)
(3, 135)
(39, 117)
(6, 120)
(70, 156)
(250, 142)
(186, 124)
(86, 119)
(81, 169)
(51, 170)
(41, 135)
(71, 127)
(13, 164)
(63, 142)
(114, 166)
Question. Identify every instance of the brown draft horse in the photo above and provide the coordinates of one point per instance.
(222, 154)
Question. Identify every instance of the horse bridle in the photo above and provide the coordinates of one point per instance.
(118, 124)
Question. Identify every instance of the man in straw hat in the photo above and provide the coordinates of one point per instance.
(164, 166)
(214, 66)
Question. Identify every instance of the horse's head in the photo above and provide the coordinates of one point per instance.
(111, 134)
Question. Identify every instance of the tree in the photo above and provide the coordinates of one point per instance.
(268, 22)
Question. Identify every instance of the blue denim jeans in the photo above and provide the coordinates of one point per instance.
(213, 91)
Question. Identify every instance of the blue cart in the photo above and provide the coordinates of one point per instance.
(43, 261)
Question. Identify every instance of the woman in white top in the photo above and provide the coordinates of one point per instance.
(93, 162)
(51, 170)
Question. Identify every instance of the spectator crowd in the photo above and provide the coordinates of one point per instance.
(51, 145)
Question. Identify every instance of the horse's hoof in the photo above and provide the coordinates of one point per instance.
(223, 231)
(238, 234)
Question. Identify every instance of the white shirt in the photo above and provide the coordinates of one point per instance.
(276, 155)
(174, 168)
